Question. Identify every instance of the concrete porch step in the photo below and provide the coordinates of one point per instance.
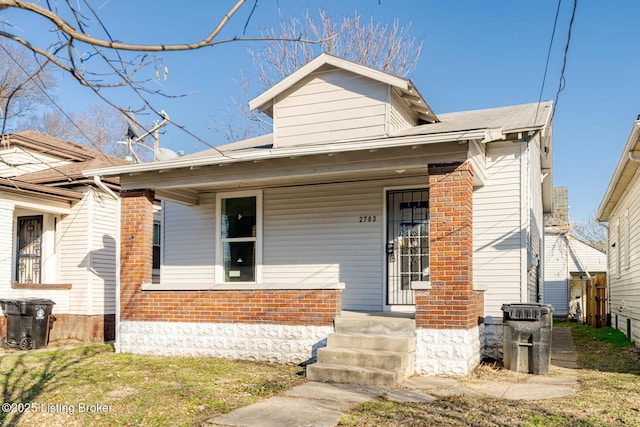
(388, 360)
(377, 325)
(352, 375)
(402, 344)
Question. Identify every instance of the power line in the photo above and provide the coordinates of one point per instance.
(546, 65)
(67, 116)
(563, 82)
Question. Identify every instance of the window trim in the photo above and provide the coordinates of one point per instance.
(219, 276)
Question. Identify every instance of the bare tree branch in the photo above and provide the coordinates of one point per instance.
(74, 34)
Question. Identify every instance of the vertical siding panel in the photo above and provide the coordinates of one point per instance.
(497, 232)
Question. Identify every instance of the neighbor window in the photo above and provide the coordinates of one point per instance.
(239, 223)
(29, 249)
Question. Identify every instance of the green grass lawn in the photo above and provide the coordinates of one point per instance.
(93, 386)
(609, 395)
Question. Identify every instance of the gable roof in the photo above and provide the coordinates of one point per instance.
(57, 147)
(623, 174)
(16, 186)
(79, 157)
(264, 101)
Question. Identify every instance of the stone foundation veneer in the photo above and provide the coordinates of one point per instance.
(260, 342)
(448, 351)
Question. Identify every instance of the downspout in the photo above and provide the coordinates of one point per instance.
(103, 187)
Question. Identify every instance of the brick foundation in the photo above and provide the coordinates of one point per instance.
(451, 303)
(286, 307)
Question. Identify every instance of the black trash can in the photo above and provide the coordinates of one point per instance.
(527, 337)
(29, 321)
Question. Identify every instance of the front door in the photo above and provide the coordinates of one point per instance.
(407, 243)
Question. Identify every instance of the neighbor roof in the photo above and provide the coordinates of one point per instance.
(16, 186)
(79, 157)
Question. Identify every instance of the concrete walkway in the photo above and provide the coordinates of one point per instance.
(323, 404)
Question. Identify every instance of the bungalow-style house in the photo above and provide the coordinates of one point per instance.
(570, 264)
(363, 212)
(58, 233)
(620, 208)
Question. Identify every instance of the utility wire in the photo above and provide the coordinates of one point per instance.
(563, 81)
(546, 65)
(64, 113)
(40, 161)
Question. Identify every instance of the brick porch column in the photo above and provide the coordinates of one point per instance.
(136, 247)
(448, 314)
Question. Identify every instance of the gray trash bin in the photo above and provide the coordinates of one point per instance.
(29, 321)
(527, 337)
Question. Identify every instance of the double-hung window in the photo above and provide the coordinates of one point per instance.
(239, 217)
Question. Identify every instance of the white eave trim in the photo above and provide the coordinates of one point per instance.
(266, 154)
(607, 205)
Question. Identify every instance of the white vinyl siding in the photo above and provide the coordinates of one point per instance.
(313, 235)
(75, 258)
(536, 226)
(104, 226)
(17, 161)
(556, 274)
(188, 251)
(624, 283)
(497, 236)
(6, 249)
(330, 106)
(400, 117)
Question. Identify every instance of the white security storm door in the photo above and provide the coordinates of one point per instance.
(407, 243)
(29, 251)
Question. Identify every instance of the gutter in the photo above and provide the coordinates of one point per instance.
(98, 181)
(336, 147)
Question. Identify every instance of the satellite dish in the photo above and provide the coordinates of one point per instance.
(134, 130)
(163, 154)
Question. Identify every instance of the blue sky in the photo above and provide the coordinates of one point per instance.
(477, 54)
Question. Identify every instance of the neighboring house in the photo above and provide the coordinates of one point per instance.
(569, 263)
(59, 232)
(362, 199)
(620, 208)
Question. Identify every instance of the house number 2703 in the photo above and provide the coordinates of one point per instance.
(368, 218)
